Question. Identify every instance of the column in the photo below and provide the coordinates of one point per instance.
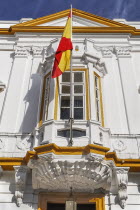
(10, 111)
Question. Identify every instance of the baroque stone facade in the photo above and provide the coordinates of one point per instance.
(37, 161)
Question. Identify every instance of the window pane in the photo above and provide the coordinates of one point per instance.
(65, 89)
(66, 77)
(78, 101)
(65, 101)
(75, 133)
(78, 89)
(65, 113)
(78, 113)
(78, 77)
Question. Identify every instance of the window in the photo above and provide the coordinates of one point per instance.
(98, 99)
(45, 99)
(75, 133)
(78, 95)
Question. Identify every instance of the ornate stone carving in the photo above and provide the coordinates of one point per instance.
(20, 180)
(1, 144)
(23, 144)
(97, 62)
(22, 51)
(119, 145)
(122, 181)
(38, 50)
(123, 51)
(80, 175)
(106, 52)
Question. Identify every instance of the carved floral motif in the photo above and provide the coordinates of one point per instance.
(119, 145)
(24, 144)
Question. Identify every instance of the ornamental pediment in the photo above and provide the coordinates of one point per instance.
(80, 19)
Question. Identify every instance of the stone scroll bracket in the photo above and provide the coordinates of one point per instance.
(20, 181)
(122, 182)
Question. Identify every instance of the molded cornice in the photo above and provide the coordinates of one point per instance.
(7, 163)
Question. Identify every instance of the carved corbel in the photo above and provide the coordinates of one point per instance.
(20, 181)
(122, 181)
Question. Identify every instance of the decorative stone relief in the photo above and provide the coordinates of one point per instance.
(62, 175)
(123, 51)
(37, 50)
(106, 52)
(97, 62)
(22, 51)
(20, 180)
(119, 145)
(24, 144)
(122, 181)
(1, 144)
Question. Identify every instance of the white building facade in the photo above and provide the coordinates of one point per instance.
(39, 169)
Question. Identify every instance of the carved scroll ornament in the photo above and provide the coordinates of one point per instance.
(80, 175)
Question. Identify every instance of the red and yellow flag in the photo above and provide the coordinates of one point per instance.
(63, 53)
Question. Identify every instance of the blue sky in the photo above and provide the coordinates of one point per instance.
(17, 9)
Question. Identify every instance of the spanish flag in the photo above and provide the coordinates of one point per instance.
(63, 53)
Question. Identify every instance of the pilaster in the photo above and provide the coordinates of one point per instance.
(129, 89)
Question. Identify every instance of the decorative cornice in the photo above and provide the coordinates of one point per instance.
(122, 182)
(53, 148)
(58, 29)
(20, 180)
(7, 163)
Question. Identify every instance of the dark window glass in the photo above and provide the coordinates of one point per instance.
(65, 89)
(65, 113)
(78, 77)
(75, 133)
(78, 113)
(78, 101)
(66, 77)
(55, 206)
(65, 101)
(78, 89)
(86, 207)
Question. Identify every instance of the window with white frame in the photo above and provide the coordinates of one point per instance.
(78, 95)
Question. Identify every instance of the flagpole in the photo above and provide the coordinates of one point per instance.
(71, 101)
